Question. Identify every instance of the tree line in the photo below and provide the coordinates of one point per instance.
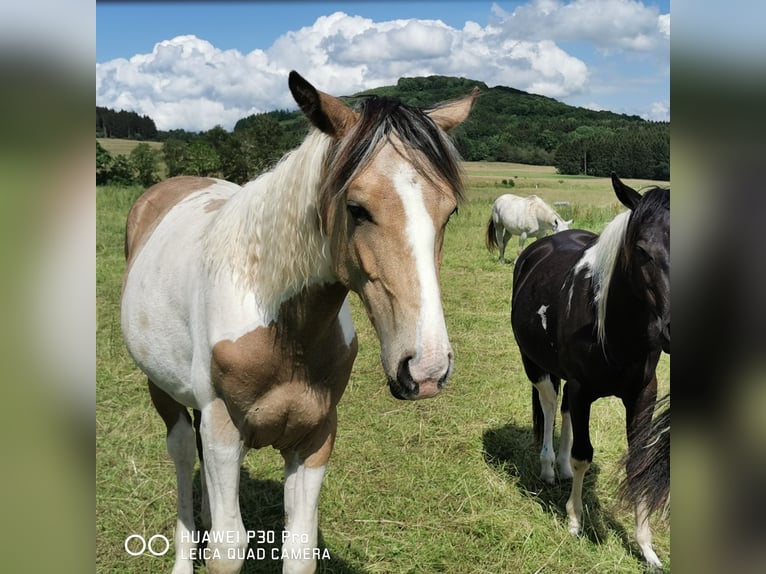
(506, 125)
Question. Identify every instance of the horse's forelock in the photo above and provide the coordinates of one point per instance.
(424, 145)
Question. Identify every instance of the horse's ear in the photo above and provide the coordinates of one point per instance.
(452, 114)
(628, 196)
(324, 111)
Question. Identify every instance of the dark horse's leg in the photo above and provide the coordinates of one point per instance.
(180, 442)
(582, 450)
(563, 458)
(638, 420)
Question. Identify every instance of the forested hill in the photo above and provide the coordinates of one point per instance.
(511, 125)
(506, 125)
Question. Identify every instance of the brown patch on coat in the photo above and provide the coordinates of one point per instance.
(214, 205)
(282, 383)
(153, 205)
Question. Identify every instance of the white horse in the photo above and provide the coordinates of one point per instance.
(522, 216)
(234, 303)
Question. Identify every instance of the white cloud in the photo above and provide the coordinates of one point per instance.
(186, 82)
(606, 24)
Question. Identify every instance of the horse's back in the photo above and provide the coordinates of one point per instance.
(514, 214)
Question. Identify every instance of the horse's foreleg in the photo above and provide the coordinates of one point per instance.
(223, 453)
(303, 482)
(548, 399)
(205, 500)
(582, 452)
(522, 241)
(638, 419)
(180, 444)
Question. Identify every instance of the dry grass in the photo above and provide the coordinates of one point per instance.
(445, 485)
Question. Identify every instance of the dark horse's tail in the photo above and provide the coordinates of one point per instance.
(648, 474)
(491, 239)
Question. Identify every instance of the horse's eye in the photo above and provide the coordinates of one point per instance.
(642, 256)
(358, 213)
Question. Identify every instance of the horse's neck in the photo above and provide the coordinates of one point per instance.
(626, 315)
(268, 236)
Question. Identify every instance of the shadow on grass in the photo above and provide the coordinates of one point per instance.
(261, 504)
(512, 450)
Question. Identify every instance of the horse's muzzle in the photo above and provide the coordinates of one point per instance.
(404, 387)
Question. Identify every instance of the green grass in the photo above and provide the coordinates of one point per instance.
(444, 485)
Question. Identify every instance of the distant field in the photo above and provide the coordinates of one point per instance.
(116, 146)
(485, 181)
(447, 485)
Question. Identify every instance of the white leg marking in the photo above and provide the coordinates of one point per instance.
(565, 447)
(644, 536)
(205, 499)
(223, 452)
(302, 486)
(182, 450)
(574, 504)
(548, 400)
(433, 348)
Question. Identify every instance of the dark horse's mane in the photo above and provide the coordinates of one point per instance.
(425, 145)
(654, 201)
(648, 475)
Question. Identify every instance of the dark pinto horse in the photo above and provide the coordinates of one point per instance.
(595, 311)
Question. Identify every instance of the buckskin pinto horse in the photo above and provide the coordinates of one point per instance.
(523, 216)
(595, 311)
(235, 303)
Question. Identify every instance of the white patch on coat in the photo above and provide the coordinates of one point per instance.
(347, 322)
(543, 319)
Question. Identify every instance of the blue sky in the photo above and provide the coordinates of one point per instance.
(195, 65)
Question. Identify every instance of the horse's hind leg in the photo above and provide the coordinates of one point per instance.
(638, 419)
(563, 458)
(180, 443)
(582, 452)
(547, 395)
(502, 237)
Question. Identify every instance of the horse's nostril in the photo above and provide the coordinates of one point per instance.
(403, 374)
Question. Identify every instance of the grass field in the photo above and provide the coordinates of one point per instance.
(444, 485)
(116, 146)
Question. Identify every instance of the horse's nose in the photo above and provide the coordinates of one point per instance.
(406, 387)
